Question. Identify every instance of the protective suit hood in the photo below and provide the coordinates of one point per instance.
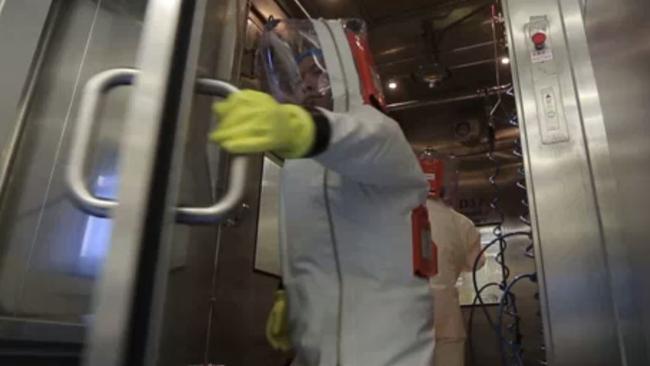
(336, 50)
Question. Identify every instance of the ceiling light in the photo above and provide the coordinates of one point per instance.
(432, 74)
(392, 85)
(505, 60)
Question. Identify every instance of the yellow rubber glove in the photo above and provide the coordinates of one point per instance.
(277, 328)
(253, 122)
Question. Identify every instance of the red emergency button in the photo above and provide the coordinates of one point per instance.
(539, 39)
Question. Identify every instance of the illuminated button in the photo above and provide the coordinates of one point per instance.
(539, 39)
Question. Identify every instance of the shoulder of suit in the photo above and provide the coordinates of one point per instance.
(439, 208)
(435, 205)
(462, 219)
(370, 111)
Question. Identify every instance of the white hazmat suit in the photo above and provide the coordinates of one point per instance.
(345, 223)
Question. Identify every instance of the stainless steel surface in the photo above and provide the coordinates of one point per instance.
(237, 174)
(267, 246)
(95, 88)
(23, 29)
(51, 253)
(238, 338)
(133, 8)
(89, 109)
(112, 334)
(620, 64)
(237, 179)
(626, 313)
(218, 259)
(30, 330)
(11, 151)
(42, 232)
(215, 88)
(159, 236)
(571, 192)
(628, 309)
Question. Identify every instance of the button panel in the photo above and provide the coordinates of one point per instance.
(550, 108)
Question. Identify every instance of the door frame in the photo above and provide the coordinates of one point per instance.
(129, 298)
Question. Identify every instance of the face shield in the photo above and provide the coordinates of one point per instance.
(318, 63)
(291, 65)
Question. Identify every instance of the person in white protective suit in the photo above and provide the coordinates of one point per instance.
(458, 243)
(349, 185)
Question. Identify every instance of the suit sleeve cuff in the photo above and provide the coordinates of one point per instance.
(323, 132)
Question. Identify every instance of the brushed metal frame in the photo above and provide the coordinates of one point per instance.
(620, 67)
(89, 109)
(95, 89)
(33, 330)
(129, 298)
(572, 195)
(33, 21)
(625, 314)
(237, 175)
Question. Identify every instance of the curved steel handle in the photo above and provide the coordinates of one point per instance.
(94, 91)
(237, 177)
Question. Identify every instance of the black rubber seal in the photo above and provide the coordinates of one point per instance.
(323, 132)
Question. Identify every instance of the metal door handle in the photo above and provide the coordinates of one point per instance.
(94, 91)
(236, 179)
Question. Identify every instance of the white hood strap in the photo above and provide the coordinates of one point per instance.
(343, 75)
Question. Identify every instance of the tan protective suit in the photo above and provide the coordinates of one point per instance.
(458, 244)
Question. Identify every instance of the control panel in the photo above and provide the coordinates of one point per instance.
(550, 108)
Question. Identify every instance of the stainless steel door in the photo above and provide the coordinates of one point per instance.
(51, 253)
(587, 305)
(623, 78)
(131, 297)
(127, 147)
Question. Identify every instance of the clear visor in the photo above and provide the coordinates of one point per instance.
(291, 65)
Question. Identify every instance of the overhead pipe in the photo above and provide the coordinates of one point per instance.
(302, 8)
(440, 34)
(418, 12)
(412, 104)
(284, 8)
(423, 58)
(503, 140)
